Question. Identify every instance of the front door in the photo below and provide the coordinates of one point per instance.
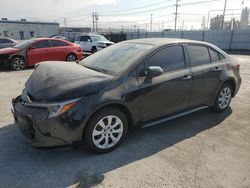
(86, 43)
(169, 92)
(39, 52)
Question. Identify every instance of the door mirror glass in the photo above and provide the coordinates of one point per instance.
(89, 40)
(153, 71)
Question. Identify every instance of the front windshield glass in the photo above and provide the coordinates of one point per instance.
(98, 38)
(24, 44)
(115, 58)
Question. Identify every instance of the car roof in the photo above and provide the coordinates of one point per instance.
(164, 41)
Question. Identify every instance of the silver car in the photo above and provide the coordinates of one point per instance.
(7, 42)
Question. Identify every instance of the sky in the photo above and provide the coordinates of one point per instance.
(124, 14)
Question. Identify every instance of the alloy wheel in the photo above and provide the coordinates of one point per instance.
(224, 97)
(107, 132)
(18, 64)
(71, 58)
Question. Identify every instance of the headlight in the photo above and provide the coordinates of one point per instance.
(59, 109)
(55, 109)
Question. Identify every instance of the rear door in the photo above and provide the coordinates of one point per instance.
(169, 92)
(58, 50)
(206, 70)
(41, 52)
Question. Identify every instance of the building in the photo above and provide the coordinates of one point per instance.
(22, 29)
(244, 18)
(215, 23)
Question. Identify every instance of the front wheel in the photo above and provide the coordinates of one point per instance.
(18, 63)
(106, 130)
(223, 98)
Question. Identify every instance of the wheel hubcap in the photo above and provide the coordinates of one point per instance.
(71, 58)
(18, 64)
(224, 98)
(107, 132)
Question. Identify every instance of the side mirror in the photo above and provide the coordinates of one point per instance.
(153, 71)
(31, 48)
(89, 40)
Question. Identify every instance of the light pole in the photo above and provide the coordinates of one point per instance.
(222, 22)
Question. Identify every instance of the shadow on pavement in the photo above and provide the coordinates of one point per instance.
(24, 166)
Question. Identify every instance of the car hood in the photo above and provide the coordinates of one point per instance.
(54, 81)
(5, 51)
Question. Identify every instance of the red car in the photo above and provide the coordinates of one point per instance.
(30, 52)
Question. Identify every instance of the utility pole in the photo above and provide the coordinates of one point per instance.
(96, 20)
(223, 17)
(151, 22)
(176, 12)
(93, 19)
(65, 22)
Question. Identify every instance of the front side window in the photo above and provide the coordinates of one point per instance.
(198, 55)
(169, 59)
(42, 44)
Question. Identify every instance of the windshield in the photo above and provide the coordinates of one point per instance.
(116, 58)
(98, 38)
(24, 44)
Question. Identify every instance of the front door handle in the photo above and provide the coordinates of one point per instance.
(187, 77)
(217, 69)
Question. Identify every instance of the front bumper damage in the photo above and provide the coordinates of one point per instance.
(38, 130)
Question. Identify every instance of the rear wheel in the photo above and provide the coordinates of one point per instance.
(106, 130)
(223, 98)
(71, 58)
(18, 63)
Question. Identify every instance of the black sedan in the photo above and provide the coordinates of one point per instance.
(133, 83)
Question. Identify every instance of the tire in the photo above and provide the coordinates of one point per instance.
(18, 63)
(93, 50)
(101, 136)
(71, 58)
(223, 98)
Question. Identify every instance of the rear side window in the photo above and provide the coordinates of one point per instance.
(214, 55)
(57, 43)
(42, 44)
(198, 55)
(169, 58)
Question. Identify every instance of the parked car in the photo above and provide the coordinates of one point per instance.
(7, 42)
(92, 42)
(140, 82)
(30, 52)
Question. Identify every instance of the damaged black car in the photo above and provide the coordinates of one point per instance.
(133, 83)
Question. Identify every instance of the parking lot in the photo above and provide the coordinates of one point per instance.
(204, 149)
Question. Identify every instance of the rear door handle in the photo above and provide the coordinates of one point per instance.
(187, 77)
(217, 69)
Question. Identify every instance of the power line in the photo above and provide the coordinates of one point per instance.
(141, 7)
